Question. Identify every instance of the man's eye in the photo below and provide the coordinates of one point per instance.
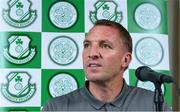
(106, 46)
(86, 45)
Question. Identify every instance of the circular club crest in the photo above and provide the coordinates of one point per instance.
(62, 84)
(63, 50)
(149, 51)
(63, 14)
(148, 85)
(147, 16)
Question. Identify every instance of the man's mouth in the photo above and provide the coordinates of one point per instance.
(94, 65)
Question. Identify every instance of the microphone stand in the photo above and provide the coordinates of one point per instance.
(158, 96)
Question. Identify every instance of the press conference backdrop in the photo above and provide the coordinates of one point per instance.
(41, 43)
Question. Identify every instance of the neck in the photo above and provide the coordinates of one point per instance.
(106, 91)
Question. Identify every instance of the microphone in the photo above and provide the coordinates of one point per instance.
(145, 73)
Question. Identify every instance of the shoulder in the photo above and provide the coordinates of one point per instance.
(62, 102)
(140, 95)
(138, 99)
(141, 91)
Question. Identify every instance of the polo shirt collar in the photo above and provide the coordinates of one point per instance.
(118, 102)
(90, 98)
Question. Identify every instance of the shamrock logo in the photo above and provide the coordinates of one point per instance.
(19, 5)
(19, 42)
(18, 79)
(105, 7)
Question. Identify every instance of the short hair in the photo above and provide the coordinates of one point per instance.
(126, 38)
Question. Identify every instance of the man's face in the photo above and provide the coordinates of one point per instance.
(104, 56)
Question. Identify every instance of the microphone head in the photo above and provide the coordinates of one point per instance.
(141, 73)
(145, 73)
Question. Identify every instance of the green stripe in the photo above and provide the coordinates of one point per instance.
(111, 16)
(11, 3)
(12, 76)
(24, 16)
(100, 4)
(25, 51)
(12, 39)
(23, 90)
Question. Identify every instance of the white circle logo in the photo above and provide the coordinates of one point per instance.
(63, 50)
(149, 51)
(62, 84)
(148, 16)
(63, 14)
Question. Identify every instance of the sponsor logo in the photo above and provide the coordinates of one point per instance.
(18, 89)
(19, 51)
(147, 16)
(63, 14)
(106, 10)
(62, 84)
(19, 13)
(149, 51)
(63, 50)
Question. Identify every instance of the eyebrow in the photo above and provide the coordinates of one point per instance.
(101, 41)
(86, 41)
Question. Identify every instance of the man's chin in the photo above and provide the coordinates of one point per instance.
(93, 79)
(96, 79)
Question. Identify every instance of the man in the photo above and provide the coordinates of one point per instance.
(106, 55)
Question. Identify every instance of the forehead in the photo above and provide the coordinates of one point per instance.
(101, 32)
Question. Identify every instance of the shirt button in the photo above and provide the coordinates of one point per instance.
(108, 107)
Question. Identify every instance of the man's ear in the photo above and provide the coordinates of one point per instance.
(126, 59)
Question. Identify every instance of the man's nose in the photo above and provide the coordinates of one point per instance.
(94, 53)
